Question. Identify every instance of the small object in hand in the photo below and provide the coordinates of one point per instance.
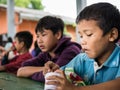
(50, 87)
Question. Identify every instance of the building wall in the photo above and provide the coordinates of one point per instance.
(26, 25)
(3, 21)
(71, 31)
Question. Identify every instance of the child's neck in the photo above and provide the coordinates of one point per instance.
(52, 54)
(101, 59)
(23, 51)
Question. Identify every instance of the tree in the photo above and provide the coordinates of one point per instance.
(32, 4)
(22, 3)
(3, 1)
(36, 4)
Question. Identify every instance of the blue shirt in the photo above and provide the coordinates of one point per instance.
(89, 70)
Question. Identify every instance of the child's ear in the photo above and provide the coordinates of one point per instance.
(58, 35)
(113, 34)
(22, 44)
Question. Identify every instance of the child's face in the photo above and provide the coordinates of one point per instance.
(92, 40)
(18, 45)
(47, 41)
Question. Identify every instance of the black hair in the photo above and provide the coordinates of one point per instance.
(52, 23)
(106, 15)
(35, 44)
(10, 39)
(26, 37)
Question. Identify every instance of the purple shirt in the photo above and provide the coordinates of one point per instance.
(65, 51)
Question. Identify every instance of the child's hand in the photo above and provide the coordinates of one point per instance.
(2, 49)
(60, 82)
(12, 48)
(50, 67)
(2, 68)
(2, 52)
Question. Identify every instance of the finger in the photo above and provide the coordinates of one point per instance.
(57, 81)
(51, 66)
(47, 64)
(46, 70)
(47, 67)
(55, 78)
(59, 88)
(61, 72)
(53, 82)
(2, 48)
(55, 67)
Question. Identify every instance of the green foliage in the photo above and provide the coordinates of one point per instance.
(22, 3)
(3, 1)
(33, 4)
(36, 4)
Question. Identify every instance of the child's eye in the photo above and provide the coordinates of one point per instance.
(37, 36)
(81, 36)
(89, 35)
(44, 34)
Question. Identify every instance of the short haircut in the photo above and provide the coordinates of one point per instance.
(26, 37)
(106, 15)
(52, 23)
(10, 39)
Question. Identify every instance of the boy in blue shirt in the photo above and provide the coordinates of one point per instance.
(99, 65)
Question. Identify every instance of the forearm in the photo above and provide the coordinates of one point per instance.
(110, 85)
(28, 71)
(2, 68)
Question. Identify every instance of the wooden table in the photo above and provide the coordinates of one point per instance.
(11, 82)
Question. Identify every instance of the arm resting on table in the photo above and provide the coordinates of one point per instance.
(110, 85)
(27, 71)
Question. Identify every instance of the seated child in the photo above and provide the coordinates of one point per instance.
(99, 65)
(23, 41)
(54, 46)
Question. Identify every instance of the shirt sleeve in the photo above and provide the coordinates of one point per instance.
(118, 73)
(16, 62)
(35, 61)
(38, 76)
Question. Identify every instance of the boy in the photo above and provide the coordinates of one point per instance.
(54, 46)
(99, 29)
(22, 44)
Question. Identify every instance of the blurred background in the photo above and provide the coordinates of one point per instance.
(19, 15)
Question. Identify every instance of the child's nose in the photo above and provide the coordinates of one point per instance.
(39, 40)
(83, 42)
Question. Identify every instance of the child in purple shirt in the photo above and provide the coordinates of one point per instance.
(54, 46)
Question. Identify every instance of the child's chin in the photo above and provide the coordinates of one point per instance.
(90, 56)
(44, 50)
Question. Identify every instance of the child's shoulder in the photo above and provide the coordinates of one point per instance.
(83, 57)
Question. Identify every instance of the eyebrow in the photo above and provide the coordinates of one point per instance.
(84, 31)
